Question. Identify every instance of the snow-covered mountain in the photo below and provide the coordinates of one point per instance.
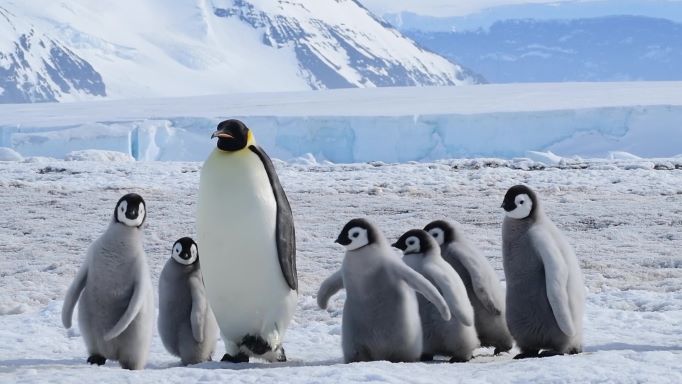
(35, 67)
(466, 17)
(76, 49)
(613, 48)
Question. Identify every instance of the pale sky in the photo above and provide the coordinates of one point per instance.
(443, 7)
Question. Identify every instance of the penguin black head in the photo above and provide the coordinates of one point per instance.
(357, 233)
(415, 241)
(442, 231)
(185, 251)
(232, 135)
(520, 202)
(130, 210)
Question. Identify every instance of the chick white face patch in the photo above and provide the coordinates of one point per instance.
(358, 238)
(122, 218)
(523, 207)
(438, 234)
(183, 257)
(413, 245)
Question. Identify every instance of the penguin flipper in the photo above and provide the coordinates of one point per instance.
(73, 294)
(420, 284)
(285, 233)
(454, 292)
(329, 287)
(474, 263)
(556, 278)
(134, 307)
(199, 308)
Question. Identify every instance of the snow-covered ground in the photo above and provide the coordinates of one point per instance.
(388, 124)
(623, 216)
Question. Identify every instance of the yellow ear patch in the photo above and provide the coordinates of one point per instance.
(250, 140)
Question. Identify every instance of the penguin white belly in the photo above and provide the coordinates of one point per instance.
(236, 226)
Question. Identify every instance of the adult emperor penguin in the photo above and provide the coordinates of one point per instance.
(187, 326)
(248, 249)
(114, 291)
(481, 282)
(381, 314)
(456, 337)
(545, 292)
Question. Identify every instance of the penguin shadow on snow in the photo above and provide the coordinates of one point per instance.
(632, 347)
(266, 365)
(12, 365)
(321, 363)
(8, 365)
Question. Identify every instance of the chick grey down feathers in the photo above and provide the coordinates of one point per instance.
(545, 291)
(380, 315)
(456, 337)
(482, 284)
(186, 323)
(114, 291)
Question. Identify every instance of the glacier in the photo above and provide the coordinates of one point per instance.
(387, 125)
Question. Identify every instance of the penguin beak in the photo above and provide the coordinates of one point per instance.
(508, 206)
(221, 135)
(343, 240)
(394, 245)
(132, 214)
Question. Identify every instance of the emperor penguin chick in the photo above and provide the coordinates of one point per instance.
(381, 314)
(187, 326)
(455, 338)
(483, 286)
(545, 291)
(114, 291)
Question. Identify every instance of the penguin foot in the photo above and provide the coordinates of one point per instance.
(241, 357)
(499, 350)
(526, 355)
(281, 356)
(458, 359)
(97, 359)
(549, 353)
(256, 344)
(426, 357)
(575, 351)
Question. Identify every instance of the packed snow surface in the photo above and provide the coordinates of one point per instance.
(623, 216)
(358, 125)
(97, 155)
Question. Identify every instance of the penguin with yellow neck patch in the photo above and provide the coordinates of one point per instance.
(246, 232)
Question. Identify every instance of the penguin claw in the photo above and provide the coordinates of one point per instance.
(239, 358)
(526, 355)
(281, 356)
(499, 350)
(97, 359)
(575, 351)
(549, 353)
(455, 359)
(426, 357)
